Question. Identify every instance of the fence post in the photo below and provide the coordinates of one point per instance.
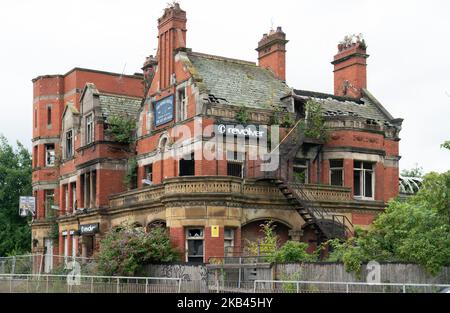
(118, 286)
(10, 284)
(179, 285)
(298, 287)
(346, 288)
(404, 288)
(92, 284)
(46, 288)
(146, 285)
(13, 267)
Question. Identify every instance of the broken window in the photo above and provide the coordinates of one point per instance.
(235, 164)
(301, 171)
(194, 245)
(337, 172)
(49, 201)
(364, 180)
(148, 173)
(187, 166)
(50, 155)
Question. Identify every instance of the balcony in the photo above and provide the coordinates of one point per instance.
(208, 187)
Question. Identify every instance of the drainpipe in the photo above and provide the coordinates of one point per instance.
(318, 160)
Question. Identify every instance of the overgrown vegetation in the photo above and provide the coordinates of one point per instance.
(124, 251)
(314, 125)
(15, 181)
(272, 251)
(121, 128)
(131, 175)
(413, 231)
(446, 145)
(242, 116)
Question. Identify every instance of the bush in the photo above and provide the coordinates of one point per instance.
(124, 251)
(293, 252)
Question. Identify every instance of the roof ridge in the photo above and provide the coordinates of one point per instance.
(326, 95)
(101, 93)
(221, 58)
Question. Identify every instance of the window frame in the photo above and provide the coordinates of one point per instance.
(362, 183)
(66, 146)
(335, 168)
(47, 150)
(181, 104)
(48, 206)
(90, 132)
(228, 239)
(190, 238)
(236, 159)
(147, 173)
(305, 167)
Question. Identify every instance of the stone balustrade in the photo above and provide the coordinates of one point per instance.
(212, 185)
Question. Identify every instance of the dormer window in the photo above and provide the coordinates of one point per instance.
(89, 129)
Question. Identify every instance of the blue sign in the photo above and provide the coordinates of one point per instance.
(163, 111)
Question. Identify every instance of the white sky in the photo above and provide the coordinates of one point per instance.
(408, 42)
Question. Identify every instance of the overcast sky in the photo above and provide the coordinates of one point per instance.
(409, 44)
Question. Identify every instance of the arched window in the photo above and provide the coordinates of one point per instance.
(156, 224)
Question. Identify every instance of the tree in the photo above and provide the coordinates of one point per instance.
(414, 231)
(446, 145)
(121, 128)
(124, 251)
(15, 181)
(417, 171)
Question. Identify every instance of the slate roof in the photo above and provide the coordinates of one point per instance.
(237, 82)
(119, 105)
(367, 107)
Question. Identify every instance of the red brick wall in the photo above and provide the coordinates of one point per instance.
(177, 237)
(214, 247)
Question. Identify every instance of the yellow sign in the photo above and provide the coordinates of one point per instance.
(215, 231)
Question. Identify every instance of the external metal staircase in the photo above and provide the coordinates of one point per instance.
(327, 225)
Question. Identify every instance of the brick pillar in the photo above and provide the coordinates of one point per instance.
(70, 198)
(79, 193)
(348, 174)
(325, 172)
(60, 244)
(62, 200)
(214, 247)
(177, 238)
(69, 244)
(379, 181)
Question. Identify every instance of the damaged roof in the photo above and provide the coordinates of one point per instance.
(237, 82)
(367, 107)
(119, 105)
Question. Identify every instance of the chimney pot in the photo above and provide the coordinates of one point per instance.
(272, 52)
(350, 67)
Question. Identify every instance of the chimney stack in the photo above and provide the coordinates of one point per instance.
(171, 36)
(272, 52)
(350, 67)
